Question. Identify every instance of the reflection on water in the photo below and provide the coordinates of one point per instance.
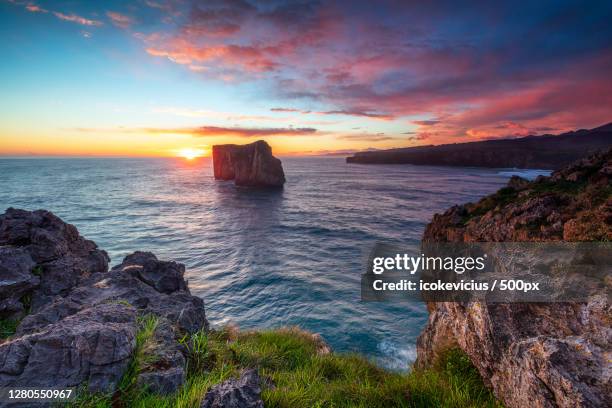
(260, 258)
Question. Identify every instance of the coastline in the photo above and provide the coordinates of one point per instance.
(65, 294)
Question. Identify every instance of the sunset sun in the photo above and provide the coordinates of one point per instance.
(190, 154)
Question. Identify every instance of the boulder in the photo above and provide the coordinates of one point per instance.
(248, 165)
(536, 355)
(91, 347)
(243, 392)
(164, 276)
(61, 256)
(124, 283)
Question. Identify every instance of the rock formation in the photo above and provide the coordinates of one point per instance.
(248, 165)
(80, 320)
(535, 152)
(536, 355)
(243, 392)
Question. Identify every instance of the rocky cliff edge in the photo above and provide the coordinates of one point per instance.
(79, 321)
(533, 355)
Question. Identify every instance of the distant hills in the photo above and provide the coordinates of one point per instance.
(542, 152)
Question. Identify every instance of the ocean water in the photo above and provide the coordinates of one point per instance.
(261, 258)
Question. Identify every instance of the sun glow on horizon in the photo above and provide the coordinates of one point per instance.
(190, 153)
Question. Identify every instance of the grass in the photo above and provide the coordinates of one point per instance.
(506, 195)
(502, 197)
(7, 328)
(128, 390)
(288, 359)
(563, 187)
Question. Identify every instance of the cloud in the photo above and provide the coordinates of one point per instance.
(425, 122)
(74, 18)
(421, 136)
(360, 113)
(77, 19)
(206, 113)
(35, 8)
(120, 20)
(212, 131)
(251, 132)
(289, 110)
(366, 137)
(543, 67)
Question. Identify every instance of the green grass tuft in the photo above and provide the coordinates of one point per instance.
(128, 392)
(288, 359)
(502, 197)
(8, 327)
(198, 357)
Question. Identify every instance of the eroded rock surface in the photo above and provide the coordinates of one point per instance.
(61, 255)
(16, 280)
(90, 347)
(248, 165)
(83, 329)
(536, 355)
(243, 392)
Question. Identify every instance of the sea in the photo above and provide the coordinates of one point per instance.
(262, 258)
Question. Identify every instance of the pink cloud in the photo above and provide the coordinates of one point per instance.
(35, 9)
(77, 19)
(120, 20)
(212, 131)
(398, 67)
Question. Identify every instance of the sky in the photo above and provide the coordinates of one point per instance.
(168, 78)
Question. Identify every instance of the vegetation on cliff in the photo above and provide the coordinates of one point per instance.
(574, 204)
(297, 370)
(532, 354)
(134, 336)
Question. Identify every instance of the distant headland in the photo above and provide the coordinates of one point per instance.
(543, 152)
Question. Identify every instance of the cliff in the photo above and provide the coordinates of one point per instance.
(536, 355)
(248, 165)
(539, 152)
(133, 335)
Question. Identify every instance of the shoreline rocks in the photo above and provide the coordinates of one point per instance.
(81, 319)
(248, 165)
(532, 354)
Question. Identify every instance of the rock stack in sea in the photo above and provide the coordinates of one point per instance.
(248, 165)
(533, 354)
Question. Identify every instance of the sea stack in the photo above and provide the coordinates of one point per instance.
(248, 165)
